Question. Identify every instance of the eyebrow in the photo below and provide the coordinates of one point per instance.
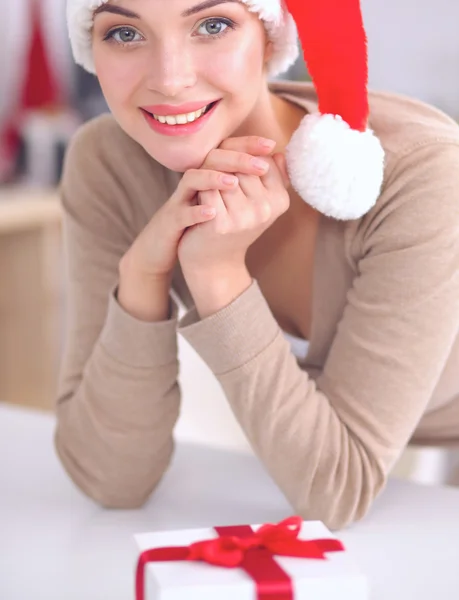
(124, 12)
(115, 10)
(204, 5)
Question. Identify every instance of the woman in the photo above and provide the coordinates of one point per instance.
(322, 290)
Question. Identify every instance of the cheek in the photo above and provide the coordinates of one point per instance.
(237, 63)
(117, 77)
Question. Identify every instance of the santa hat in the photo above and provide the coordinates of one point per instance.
(335, 162)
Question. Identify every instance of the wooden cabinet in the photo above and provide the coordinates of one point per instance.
(30, 296)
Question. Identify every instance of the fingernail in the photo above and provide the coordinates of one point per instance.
(260, 164)
(208, 211)
(266, 143)
(230, 180)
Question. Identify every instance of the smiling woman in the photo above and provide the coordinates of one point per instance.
(216, 51)
(282, 215)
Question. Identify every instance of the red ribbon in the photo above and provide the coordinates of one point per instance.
(240, 546)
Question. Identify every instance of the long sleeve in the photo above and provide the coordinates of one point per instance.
(118, 397)
(330, 443)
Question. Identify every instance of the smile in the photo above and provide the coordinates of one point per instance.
(183, 118)
(180, 124)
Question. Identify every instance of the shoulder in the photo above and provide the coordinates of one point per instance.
(419, 198)
(404, 124)
(418, 206)
(420, 190)
(421, 145)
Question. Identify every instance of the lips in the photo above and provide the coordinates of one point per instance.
(175, 119)
(179, 129)
(170, 109)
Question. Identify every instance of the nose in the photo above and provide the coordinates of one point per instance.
(172, 70)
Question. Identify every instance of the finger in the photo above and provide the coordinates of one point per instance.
(192, 215)
(281, 163)
(181, 217)
(235, 201)
(232, 161)
(256, 196)
(251, 144)
(214, 200)
(251, 186)
(275, 183)
(200, 180)
(274, 178)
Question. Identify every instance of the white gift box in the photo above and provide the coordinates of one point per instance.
(337, 577)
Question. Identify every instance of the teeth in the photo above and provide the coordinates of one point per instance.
(181, 119)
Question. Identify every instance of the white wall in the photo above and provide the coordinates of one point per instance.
(414, 49)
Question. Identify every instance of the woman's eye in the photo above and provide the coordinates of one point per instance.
(213, 27)
(124, 35)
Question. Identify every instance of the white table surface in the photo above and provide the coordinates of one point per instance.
(55, 544)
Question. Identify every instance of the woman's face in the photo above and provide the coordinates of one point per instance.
(161, 55)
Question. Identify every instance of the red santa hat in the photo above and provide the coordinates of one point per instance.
(335, 162)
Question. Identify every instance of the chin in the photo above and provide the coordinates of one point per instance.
(181, 158)
(178, 161)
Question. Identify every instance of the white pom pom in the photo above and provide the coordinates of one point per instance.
(337, 170)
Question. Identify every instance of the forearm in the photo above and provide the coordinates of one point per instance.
(322, 466)
(117, 464)
(114, 431)
(328, 470)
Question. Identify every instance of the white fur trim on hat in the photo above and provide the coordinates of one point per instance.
(337, 170)
(79, 23)
(279, 24)
(281, 30)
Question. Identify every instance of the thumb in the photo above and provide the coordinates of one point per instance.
(281, 164)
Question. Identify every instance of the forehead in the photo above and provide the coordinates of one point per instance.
(130, 5)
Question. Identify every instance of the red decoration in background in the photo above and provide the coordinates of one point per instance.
(40, 88)
(240, 546)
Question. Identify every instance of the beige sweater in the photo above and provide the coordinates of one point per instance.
(383, 361)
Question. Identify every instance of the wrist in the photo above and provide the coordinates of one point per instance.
(143, 296)
(214, 290)
(130, 268)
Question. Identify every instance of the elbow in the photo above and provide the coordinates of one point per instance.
(110, 495)
(114, 487)
(109, 498)
(344, 498)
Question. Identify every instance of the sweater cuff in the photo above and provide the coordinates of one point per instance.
(139, 343)
(234, 335)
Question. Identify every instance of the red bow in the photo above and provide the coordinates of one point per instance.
(240, 546)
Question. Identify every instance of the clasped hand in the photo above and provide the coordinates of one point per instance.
(242, 212)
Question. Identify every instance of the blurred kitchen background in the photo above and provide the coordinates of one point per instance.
(44, 97)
